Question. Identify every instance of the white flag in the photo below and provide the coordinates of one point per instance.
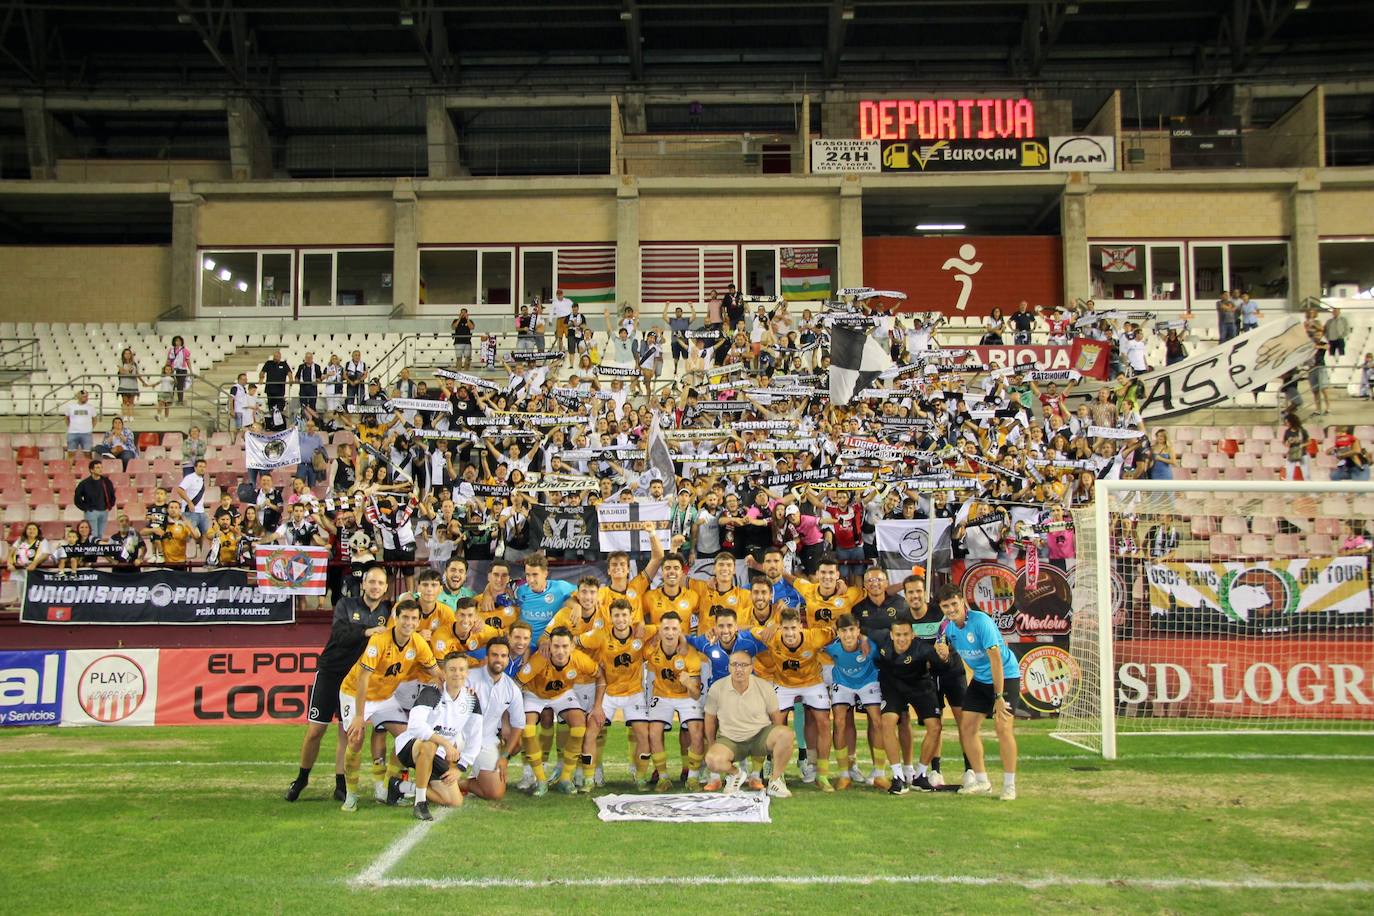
(265, 452)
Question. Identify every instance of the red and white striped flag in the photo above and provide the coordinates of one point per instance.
(286, 570)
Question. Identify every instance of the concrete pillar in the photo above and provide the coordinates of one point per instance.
(185, 256)
(405, 253)
(1073, 221)
(445, 158)
(632, 110)
(801, 163)
(1305, 269)
(851, 231)
(839, 114)
(46, 138)
(617, 134)
(626, 244)
(250, 144)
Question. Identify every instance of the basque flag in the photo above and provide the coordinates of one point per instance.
(856, 359)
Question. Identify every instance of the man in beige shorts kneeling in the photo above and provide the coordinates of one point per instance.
(742, 721)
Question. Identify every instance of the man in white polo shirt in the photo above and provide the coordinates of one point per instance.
(561, 306)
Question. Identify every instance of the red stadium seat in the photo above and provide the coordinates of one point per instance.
(26, 453)
(148, 440)
(1222, 545)
(1234, 525)
(1287, 545)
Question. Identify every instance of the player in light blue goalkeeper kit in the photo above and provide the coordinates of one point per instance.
(854, 685)
(992, 692)
(539, 598)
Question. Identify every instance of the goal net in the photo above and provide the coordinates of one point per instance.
(1220, 607)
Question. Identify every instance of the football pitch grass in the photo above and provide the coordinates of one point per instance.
(192, 819)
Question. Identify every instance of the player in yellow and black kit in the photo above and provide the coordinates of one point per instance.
(549, 680)
(620, 652)
(796, 653)
(367, 695)
(676, 690)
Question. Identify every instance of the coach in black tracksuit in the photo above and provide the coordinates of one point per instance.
(355, 621)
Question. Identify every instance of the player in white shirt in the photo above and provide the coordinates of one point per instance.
(443, 737)
(502, 705)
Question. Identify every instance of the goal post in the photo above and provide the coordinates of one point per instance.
(1220, 607)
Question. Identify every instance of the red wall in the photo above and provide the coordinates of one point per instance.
(1015, 267)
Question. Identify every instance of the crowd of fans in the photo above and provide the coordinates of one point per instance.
(1002, 452)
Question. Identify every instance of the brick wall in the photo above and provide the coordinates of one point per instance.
(1013, 268)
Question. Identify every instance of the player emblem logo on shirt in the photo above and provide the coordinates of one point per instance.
(730, 600)
(357, 616)
(526, 670)
(371, 651)
(472, 643)
(839, 601)
(548, 599)
(682, 605)
(572, 675)
(968, 636)
(861, 658)
(679, 664)
(637, 644)
(410, 655)
(806, 654)
(598, 623)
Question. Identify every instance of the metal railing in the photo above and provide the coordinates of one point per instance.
(200, 401)
(19, 355)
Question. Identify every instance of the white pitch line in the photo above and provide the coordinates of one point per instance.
(1029, 882)
(375, 874)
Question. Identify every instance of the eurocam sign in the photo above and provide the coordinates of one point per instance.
(946, 119)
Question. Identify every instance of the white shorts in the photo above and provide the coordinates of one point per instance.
(813, 697)
(486, 758)
(560, 704)
(374, 711)
(827, 676)
(632, 706)
(867, 695)
(586, 695)
(661, 709)
(406, 693)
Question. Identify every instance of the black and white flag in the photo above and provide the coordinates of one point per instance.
(856, 359)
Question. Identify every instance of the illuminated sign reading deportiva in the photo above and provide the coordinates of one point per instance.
(946, 119)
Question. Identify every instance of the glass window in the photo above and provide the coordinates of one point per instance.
(1117, 271)
(497, 277)
(449, 276)
(276, 279)
(1166, 272)
(317, 278)
(364, 277)
(229, 279)
(536, 275)
(1259, 268)
(1347, 269)
(1208, 277)
(760, 272)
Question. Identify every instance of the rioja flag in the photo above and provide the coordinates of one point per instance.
(856, 360)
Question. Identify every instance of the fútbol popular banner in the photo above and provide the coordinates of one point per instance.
(1270, 596)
